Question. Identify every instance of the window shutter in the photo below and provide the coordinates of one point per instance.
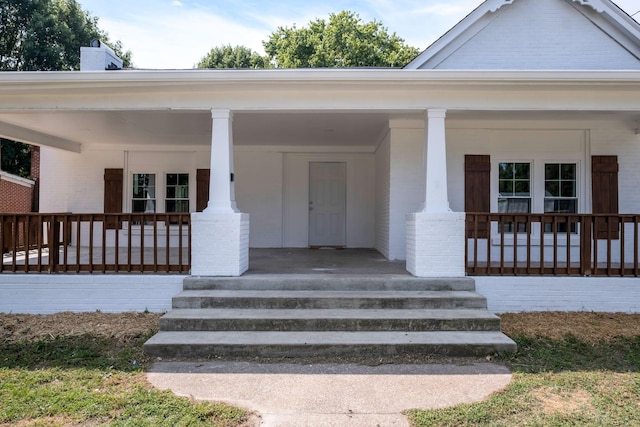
(202, 189)
(477, 191)
(604, 194)
(113, 188)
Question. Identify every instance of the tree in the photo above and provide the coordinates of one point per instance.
(43, 35)
(233, 57)
(344, 41)
(15, 158)
(46, 35)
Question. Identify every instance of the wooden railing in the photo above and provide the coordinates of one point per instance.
(552, 244)
(95, 243)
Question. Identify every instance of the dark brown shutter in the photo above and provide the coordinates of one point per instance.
(604, 194)
(113, 189)
(202, 189)
(477, 191)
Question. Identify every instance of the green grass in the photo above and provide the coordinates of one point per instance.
(567, 382)
(90, 380)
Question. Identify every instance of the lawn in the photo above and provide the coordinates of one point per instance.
(571, 369)
(88, 369)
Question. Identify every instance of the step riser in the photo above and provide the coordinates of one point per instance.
(310, 283)
(412, 325)
(195, 351)
(328, 303)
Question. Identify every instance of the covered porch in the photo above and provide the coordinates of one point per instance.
(399, 137)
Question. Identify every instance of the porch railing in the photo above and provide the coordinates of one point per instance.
(552, 244)
(75, 243)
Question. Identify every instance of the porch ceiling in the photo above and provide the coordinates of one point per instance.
(72, 130)
(191, 127)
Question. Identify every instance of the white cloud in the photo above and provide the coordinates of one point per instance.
(177, 3)
(179, 40)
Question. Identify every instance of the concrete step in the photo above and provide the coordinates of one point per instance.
(380, 282)
(328, 320)
(328, 299)
(324, 344)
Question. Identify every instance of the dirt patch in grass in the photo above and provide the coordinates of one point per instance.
(553, 401)
(120, 326)
(588, 327)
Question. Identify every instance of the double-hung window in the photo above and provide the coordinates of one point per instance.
(560, 192)
(177, 192)
(143, 196)
(514, 191)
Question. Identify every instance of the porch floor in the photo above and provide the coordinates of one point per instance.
(261, 261)
(321, 261)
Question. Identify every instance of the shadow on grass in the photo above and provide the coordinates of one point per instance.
(539, 354)
(85, 351)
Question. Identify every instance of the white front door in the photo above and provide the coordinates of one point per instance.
(327, 203)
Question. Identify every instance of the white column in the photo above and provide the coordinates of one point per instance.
(435, 235)
(221, 189)
(220, 234)
(435, 162)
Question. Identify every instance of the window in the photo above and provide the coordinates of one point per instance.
(514, 190)
(177, 192)
(560, 192)
(143, 199)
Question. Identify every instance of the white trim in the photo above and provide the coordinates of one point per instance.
(16, 179)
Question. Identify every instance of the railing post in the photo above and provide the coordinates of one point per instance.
(54, 244)
(586, 238)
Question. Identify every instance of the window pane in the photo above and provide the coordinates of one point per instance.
(171, 192)
(183, 179)
(552, 189)
(148, 206)
(552, 171)
(568, 171)
(172, 179)
(568, 189)
(522, 188)
(506, 188)
(522, 171)
(506, 170)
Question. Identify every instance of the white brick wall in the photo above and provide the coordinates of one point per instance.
(538, 34)
(219, 244)
(516, 294)
(435, 244)
(383, 188)
(53, 293)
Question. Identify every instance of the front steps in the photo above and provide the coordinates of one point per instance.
(276, 316)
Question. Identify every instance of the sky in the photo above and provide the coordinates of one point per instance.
(176, 34)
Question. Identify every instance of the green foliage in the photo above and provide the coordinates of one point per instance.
(15, 158)
(344, 41)
(46, 35)
(232, 57)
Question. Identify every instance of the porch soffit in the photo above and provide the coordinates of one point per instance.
(175, 130)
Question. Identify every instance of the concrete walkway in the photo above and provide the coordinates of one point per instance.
(290, 395)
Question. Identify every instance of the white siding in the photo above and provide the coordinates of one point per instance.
(537, 34)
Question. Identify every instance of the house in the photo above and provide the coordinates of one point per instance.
(508, 148)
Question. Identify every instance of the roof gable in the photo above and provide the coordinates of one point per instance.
(538, 34)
